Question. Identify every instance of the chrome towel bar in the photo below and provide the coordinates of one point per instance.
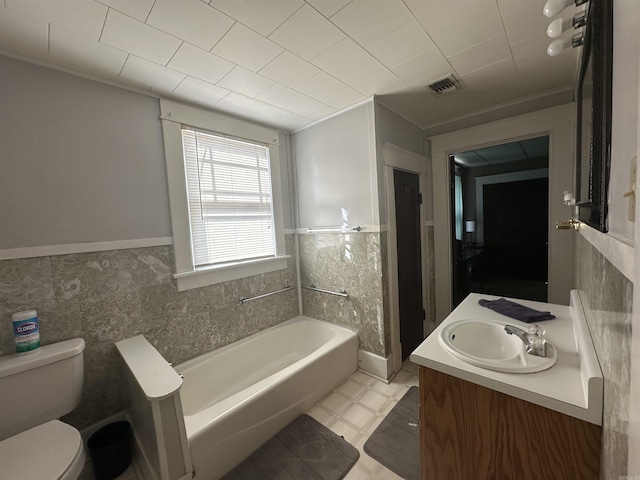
(341, 229)
(286, 288)
(343, 293)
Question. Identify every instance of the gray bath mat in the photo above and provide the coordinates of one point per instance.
(396, 441)
(302, 450)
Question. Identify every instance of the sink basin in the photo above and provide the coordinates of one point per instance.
(484, 343)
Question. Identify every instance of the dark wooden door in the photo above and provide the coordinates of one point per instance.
(516, 232)
(407, 196)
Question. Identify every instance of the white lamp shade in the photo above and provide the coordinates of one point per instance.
(554, 7)
(558, 26)
(470, 226)
(558, 46)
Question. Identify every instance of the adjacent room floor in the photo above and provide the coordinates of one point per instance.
(354, 410)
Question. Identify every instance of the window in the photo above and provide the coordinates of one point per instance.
(458, 207)
(225, 199)
(229, 190)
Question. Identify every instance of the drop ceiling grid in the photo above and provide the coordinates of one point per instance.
(288, 57)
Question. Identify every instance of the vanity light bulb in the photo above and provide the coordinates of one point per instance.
(558, 26)
(557, 46)
(554, 7)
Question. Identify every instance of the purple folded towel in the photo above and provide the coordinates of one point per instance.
(515, 310)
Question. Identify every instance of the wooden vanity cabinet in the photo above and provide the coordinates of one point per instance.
(470, 432)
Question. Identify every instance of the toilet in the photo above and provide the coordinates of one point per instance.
(35, 390)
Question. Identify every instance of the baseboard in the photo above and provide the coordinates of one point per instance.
(375, 365)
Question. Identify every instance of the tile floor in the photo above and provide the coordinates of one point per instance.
(354, 410)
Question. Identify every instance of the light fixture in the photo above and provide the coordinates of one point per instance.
(558, 46)
(561, 25)
(554, 7)
(470, 227)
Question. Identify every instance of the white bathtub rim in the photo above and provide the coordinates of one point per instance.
(202, 420)
(184, 366)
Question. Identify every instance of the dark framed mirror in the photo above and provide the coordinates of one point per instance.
(593, 123)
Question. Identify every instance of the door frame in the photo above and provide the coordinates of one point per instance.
(397, 158)
(558, 123)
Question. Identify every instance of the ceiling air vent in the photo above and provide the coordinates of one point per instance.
(446, 85)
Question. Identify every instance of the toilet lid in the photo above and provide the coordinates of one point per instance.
(42, 452)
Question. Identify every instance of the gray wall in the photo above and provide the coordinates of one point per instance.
(92, 170)
(336, 184)
(609, 304)
(339, 164)
(392, 128)
(109, 296)
(335, 170)
(609, 293)
(81, 161)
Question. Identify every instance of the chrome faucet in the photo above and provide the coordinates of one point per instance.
(532, 338)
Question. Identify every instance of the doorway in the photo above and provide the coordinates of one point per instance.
(409, 285)
(499, 218)
(407, 210)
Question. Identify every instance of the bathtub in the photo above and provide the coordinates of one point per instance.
(237, 397)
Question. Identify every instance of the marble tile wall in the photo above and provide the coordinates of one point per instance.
(356, 262)
(107, 296)
(610, 298)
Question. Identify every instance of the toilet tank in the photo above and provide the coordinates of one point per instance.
(40, 386)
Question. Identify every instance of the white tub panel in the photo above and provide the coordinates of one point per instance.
(312, 358)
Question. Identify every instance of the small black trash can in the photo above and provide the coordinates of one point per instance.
(110, 450)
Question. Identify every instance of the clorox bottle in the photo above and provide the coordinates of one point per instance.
(26, 332)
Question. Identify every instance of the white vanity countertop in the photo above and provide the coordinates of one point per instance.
(573, 386)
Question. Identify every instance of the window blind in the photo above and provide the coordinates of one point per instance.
(230, 201)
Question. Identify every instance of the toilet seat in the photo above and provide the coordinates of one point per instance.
(52, 451)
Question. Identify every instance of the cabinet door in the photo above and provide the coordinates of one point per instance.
(472, 432)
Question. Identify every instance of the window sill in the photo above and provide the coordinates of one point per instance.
(226, 273)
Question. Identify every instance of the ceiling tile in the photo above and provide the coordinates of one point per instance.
(238, 104)
(138, 9)
(307, 33)
(294, 122)
(150, 75)
(288, 99)
(368, 20)
(507, 152)
(535, 82)
(79, 16)
(22, 34)
(195, 90)
(402, 44)
(533, 48)
(263, 17)
(245, 82)
(455, 25)
(289, 69)
(328, 7)
(85, 55)
(200, 63)
(423, 69)
(245, 47)
(333, 92)
(509, 7)
(191, 20)
(480, 55)
(536, 147)
(350, 63)
(470, 159)
(561, 65)
(525, 23)
(135, 37)
(278, 117)
(492, 75)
